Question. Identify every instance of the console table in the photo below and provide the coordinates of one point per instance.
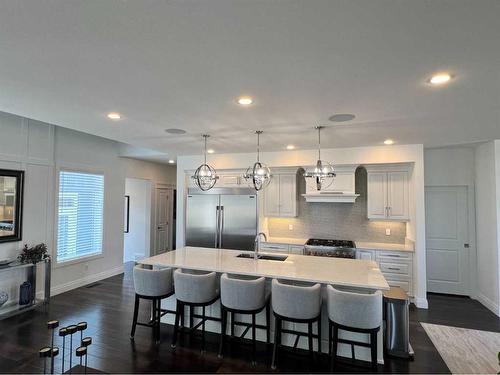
(12, 307)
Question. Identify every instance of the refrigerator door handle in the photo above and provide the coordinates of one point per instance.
(217, 217)
(221, 225)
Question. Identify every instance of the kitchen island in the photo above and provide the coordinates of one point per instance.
(352, 273)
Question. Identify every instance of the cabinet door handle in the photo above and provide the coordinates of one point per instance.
(392, 255)
(393, 268)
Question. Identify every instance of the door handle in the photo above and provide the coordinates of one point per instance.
(466, 245)
(221, 225)
(217, 217)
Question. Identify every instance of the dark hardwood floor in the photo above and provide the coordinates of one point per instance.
(107, 307)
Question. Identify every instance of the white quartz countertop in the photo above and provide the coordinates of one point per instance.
(348, 272)
(384, 246)
(286, 240)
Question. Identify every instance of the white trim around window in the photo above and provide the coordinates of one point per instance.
(84, 258)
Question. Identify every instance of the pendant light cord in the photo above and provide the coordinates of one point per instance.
(258, 132)
(205, 136)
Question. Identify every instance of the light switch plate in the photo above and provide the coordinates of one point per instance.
(387, 231)
(290, 227)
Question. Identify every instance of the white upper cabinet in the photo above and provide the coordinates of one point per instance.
(388, 193)
(341, 190)
(280, 197)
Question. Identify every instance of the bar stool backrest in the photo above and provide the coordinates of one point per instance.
(242, 293)
(355, 309)
(195, 286)
(296, 301)
(153, 283)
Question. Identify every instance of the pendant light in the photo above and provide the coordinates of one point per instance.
(205, 176)
(258, 175)
(323, 173)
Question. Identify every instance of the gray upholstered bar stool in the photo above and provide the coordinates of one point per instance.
(243, 295)
(359, 312)
(153, 285)
(299, 303)
(194, 289)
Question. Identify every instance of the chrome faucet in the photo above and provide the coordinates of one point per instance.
(257, 244)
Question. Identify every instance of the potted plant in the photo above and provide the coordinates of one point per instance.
(33, 254)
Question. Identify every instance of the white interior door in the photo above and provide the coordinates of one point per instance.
(163, 214)
(446, 212)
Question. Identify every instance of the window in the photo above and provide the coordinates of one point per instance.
(80, 215)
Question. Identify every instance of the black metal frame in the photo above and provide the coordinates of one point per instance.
(127, 209)
(267, 327)
(157, 313)
(179, 317)
(333, 340)
(278, 330)
(18, 214)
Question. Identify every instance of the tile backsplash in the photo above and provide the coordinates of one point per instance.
(345, 221)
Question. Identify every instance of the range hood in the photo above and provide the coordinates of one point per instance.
(331, 197)
(342, 190)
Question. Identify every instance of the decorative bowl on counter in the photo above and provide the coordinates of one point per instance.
(4, 297)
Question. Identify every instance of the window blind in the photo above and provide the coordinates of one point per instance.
(80, 215)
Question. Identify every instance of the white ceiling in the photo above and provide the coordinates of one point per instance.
(181, 64)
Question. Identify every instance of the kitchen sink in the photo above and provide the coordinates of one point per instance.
(279, 258)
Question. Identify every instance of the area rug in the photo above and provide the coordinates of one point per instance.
(466, 351)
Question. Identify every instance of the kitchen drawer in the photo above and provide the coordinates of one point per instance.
(394, 255)
(274, 247)
(297, 250)
(403, 268)
(365, 254)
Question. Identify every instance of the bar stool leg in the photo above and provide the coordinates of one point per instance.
(310, 340)
(134, 321)
(178, 310)
(334, 346)
(319, 334)
(373, 347)
(154, 314)
(277, 339)
(158, 318)
(330, 336)
(203, 331)
(254, 362)
(268, 322)
(232, 324)
(191, 318)
(223, 313)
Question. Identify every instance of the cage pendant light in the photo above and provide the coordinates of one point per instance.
(258, 175)
(323, 173)
(205, 176)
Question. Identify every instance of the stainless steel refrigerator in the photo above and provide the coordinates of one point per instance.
(221, 218)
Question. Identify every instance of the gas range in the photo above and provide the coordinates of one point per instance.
(330, 248)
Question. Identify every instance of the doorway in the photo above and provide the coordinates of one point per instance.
(163, 220)
(137, 236)
(447, 239)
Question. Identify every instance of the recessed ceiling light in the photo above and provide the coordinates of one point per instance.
(171, 161)
(388, 142)
(290, 147)
(342, 117)
(210, 151)
(245, 100)
(175, 131)
(114, 116)
(440, 78)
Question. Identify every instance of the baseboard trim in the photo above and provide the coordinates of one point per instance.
(421, 303)
(488, 303)
(58, 289)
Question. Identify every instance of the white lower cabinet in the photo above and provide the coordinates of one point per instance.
(396, 266)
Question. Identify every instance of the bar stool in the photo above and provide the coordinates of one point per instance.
(153, 285)
(298, 303)
(243, 295)
(194, 289)
(353, 312)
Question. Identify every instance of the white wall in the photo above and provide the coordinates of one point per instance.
(359, 155)
(40, 149)
(487, 166)
(455, 166)
(137, 241)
